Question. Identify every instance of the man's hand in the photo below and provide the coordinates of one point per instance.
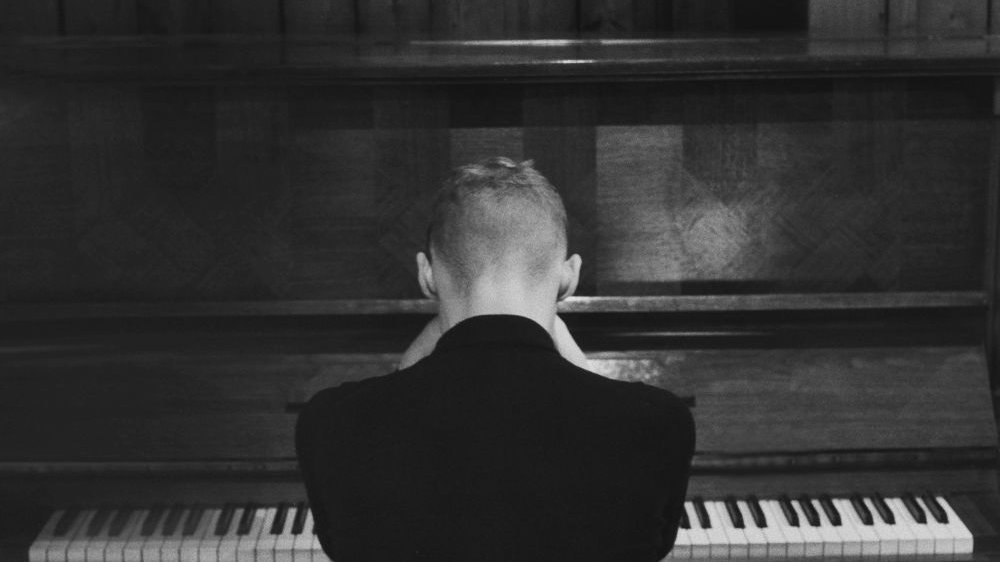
(426, 341)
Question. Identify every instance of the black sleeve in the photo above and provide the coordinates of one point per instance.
(680, 451)
(310, 450)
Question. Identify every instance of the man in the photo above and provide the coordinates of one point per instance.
(493, 446)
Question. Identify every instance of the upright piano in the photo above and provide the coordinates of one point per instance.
(799, 237)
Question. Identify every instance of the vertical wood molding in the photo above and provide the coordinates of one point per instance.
(992, 257)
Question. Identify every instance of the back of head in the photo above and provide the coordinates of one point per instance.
(497, 217)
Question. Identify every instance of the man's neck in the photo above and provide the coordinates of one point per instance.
(500, 298)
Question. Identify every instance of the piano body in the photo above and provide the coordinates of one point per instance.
(799, 237)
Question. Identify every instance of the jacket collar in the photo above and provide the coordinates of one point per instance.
(506, 329)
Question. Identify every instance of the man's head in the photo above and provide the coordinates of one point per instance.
(497, 222)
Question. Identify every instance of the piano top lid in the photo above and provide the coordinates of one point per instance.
(366, 60)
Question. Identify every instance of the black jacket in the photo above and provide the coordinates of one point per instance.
(495, 448)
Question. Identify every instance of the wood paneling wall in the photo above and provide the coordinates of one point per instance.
(204, 192)
(494, 19)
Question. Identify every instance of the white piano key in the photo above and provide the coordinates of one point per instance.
(114, 548)
(208, 541)
(963, 539)
(944, 540)
(717, 540)
(285, 541)
(904, 534)
(888, 535)
(850, 540)
(189, 542)
(36, 552)
(99, 542)
(302, 546)
(777, 544)
(701, 547)
(849, 517)
(833, 544)
(170, 550)
(810, 535)
(230, 540)
(153, 543)
(76, 550)
(132, 550)
(682, 546)
(247, 547)
(794, 541)
(921, 531)
(756, 541)
(737, 541)
(56, 550)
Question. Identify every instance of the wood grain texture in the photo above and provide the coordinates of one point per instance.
(618, 17)
(823, 398)
(174, 16)
(933, 17)
(853, 18)
(320, 16)
(29, 17)
(243, 16)
(334, 242)
(559, 136)
(36, 231)
(412, 157)
(477, 19)
(393, 18)
(703, 16)
(104, 17)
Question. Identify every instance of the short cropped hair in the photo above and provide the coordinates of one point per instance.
(497, 213)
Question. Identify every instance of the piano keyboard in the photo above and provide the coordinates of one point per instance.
(803, 527)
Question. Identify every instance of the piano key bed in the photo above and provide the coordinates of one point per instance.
(731, 528)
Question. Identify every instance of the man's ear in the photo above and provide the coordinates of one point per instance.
(425, 276)
(569, 276)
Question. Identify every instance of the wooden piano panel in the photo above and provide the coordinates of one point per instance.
(219, 192)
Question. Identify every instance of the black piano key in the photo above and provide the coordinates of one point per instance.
(937, 512)
(789, 511)
(735, 516)
(862, 510)
(883, 509)
(914, 508)
(685, 523)
(246, 521)
(831, 510)
(152, 520)
(757, 513)
(118, 523)
(809, 510)
(225, 519)
(278, 526)
(702, 513)
(299, 521)
(192, 521)
(173, 520)
(66, 521)
(98, 521)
